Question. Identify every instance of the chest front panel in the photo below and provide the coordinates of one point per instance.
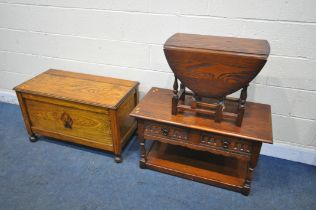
(69, 120)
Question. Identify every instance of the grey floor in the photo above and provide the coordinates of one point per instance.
(50, 174)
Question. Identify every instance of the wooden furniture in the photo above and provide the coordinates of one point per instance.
(80, 108)
(213, 67)
(197, 148)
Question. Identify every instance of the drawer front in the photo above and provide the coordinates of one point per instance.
(224, 143)
(197, 139)
(163, 131)
(70, 121)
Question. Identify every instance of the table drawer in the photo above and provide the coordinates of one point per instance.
(209, 141)
(224, 143)
(167, 132)
(70, 121)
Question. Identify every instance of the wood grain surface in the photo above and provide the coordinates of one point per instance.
(87, 89)
(213, 66)
(86, 124)
(253, 47)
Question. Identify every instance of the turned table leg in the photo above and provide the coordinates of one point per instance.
(182, 97)
(241, 108)
(141, 140)
(246, 188)
(175, 98)
(219, 110)
(252, 163)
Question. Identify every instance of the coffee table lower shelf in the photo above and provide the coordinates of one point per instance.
(226, 172)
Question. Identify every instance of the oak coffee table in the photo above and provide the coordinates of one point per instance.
(195, 147)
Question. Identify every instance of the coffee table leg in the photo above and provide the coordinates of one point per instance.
(141, 140)
(252, 163)
(142, 162)
(246, 188)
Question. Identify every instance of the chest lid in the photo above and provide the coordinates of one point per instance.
(254, 47)
(82, 88)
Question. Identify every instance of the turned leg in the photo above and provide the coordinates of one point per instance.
(241, 108)
(249, 174)
(193, 103)
(175, 98)
(33, 138)
(252, 163)
(142, 162)
(246, 188)
(182, 97)
(141, 140)
(219, 110)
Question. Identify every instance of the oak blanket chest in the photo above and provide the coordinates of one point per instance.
(80, 108)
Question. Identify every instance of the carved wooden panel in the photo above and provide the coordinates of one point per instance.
(225, 143)
(164, 131)
(67, 120)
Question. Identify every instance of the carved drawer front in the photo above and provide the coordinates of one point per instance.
(225, 143)
(69, 121)
(152, 130)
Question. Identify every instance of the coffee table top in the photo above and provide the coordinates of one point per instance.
(257, 122)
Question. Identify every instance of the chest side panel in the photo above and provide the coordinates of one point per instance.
(125, 121)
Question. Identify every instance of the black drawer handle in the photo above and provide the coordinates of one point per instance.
(66, 120)
(225, 144)
(165, 131)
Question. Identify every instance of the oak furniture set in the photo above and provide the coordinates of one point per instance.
(198, 132)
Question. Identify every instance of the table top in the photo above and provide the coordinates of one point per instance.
(251, 47)
(83, 88)
(256, 125)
